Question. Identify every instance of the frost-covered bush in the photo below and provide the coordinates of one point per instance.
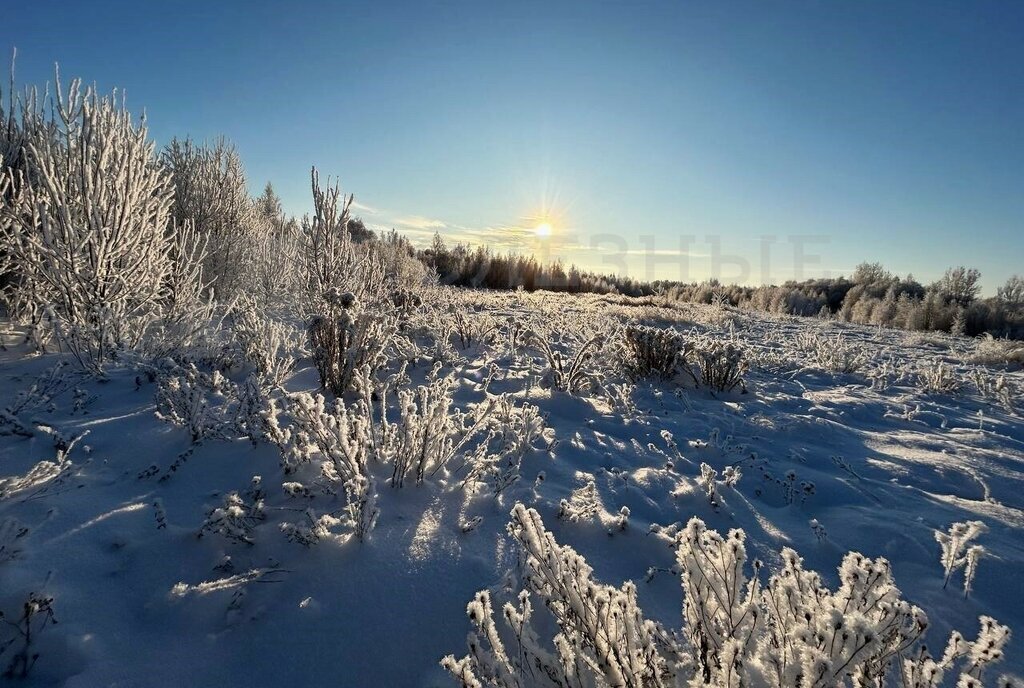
(331, 260)
(937, 378)
(583, 504)
(40, 394)
(722, 363)
(267, 344)
(46, 476)
(603, 639)
(991, 351)
(425, 435)
(197, 401)
(429, 430)
(708, 481)
(348, 338)
(340, 437)
(574, 372)
(211, 194)
(653, 352)
(256, 413)
(312, 530)
(995, 388)
(513, 432)
(791, 632)
(470, 328)
(86, 231)
(239, 515)
(834, 354)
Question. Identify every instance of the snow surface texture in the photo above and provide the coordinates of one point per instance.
(840, 438)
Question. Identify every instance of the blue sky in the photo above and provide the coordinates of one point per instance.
(850, 131)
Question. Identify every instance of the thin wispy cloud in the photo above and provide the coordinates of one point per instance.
(419, 222)
(665, 252)
(363, 208)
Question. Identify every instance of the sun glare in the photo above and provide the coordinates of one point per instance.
(543, 229)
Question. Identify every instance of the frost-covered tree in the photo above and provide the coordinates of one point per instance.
(870, 273)
(1011, 294)
(210, 193)
(960, 285)
(86, 226)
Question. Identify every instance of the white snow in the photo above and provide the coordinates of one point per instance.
(142, 601)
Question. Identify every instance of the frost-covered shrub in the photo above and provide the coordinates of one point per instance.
(571, 373)
(211, 194)
(470, 328)
(792, 631)
(347, 338)
(340, 436)
(512, 332)
(429, 430)
(834, 354)
(653, 352)
(312, 530)
(513, 432)
(583, 504)
(603, 639)
(39, 395)
(195, 400)
(795, 631)
(266, 343)
(425, 434)
(19, 634)
(995, 388)
(991, 351)
(239, 515)
(708, 482)
(86, 231)
(937, 378)
(45, 476)
(331, 260)
(722, 363)
(958, 552)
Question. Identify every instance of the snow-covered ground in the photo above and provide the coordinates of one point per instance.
(878, 461)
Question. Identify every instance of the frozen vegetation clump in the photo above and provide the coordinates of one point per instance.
(514, 431)
(791, 631)
(722, 363)
(569, 372)
(937, 378)
(339, 437)
(238, 516)
(347, 338)
(958, 552)
(989, 350)
(84, 224)
(653, 352)
(834, 354)
(429, 431)
(19, 634)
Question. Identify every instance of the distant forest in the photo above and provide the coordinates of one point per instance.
(871, 296)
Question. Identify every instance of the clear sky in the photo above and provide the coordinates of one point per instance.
(882, 131)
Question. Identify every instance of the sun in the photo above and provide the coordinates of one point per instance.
(543, 229)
